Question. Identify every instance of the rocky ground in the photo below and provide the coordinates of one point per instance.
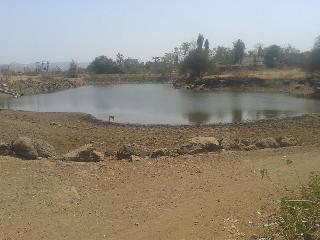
(253, 84)
(45, 85)
(174, 185)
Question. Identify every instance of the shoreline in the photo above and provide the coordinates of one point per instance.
(297, 87)
(168, 136)
(46, 84)
(202, 185)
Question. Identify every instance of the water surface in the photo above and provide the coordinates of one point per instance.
(161, 104)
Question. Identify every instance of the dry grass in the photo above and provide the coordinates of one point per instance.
(267, 74)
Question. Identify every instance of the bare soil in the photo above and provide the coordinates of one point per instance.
(204, 196)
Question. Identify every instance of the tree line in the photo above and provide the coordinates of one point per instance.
(197, 58)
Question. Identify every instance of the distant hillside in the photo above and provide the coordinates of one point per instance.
(19, 67)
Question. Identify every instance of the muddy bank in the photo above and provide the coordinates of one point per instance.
(70, 131)
(297, 87)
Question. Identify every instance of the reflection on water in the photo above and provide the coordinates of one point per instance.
(198, 117)
(160, 104)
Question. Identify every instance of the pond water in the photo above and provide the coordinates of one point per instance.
(161, 104)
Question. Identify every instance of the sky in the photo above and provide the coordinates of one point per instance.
(61, 30)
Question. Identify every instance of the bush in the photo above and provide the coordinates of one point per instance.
(300, 217)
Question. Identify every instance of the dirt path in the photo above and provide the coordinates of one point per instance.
(204, 196)
(211, 196)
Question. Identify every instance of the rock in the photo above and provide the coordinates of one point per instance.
(23, 147)
(86, 153)
(230, 144)
(246, 142)
(200, 145)
(269, 142)
(109, 153)
(5, 149)
(135, 158)
(287, 141)
(160, 153)
(126, 151)
(251, 147)
(43, 148)
(97, 156)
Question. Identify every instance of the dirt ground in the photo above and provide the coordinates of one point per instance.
(204, 196)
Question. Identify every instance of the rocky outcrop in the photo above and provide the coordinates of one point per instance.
(161, 152)
(253, 144)
(126, 151)
(5, 149)
(218, 82)
(86, 153)
(45, 85)
(269, 142)
(30, 149)
(287, 141)
(23, 147)
(200, 145)
(43, 148)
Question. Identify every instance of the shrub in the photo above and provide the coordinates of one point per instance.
(300, 217)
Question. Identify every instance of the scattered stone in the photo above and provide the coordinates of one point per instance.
(287, 141)
(251, 147)
(200, 145)
(86, 153)
(246, 142)
(230, 144)
(5, 149)
(109, 153)
(24, 148)
(160, 153)
(126, 151)
(135, 158)
(43, 148)
(269, 142)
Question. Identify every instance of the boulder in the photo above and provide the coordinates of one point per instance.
(160, 153)
(250, 147)
(287, 141)
(126, 151)
(5, 149)
(269, 142)
(24, 148)
(86, 153)
(43, 148)
(200, 145)
(230, 144)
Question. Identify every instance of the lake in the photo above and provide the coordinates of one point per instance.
(161, 104)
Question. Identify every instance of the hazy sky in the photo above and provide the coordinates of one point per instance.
(61, 30)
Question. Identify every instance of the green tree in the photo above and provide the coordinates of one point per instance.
(200, 41)
(272, 55)
(239, 51)
(197, 60)
(223, 56)
(293, 57)
(196, 63)
(314, 64)
(184, 49)
(103, 65)
(73, 69)
(207, 46)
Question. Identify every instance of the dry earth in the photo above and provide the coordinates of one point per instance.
(204, 196)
